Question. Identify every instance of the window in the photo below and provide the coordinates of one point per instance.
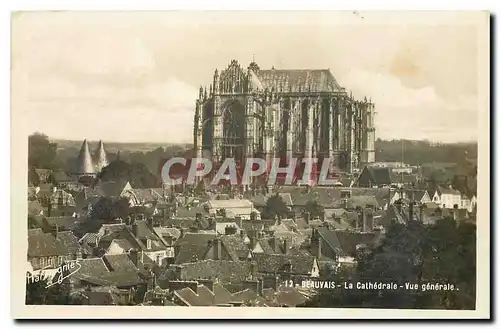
(345, 194)
(148, 243)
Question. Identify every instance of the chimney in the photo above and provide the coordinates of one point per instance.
(242, 234)
(315, 244)
(398, 205)
(238, 220)
(287, 267)
(209, 283)
(272, 243)
(133, 256)
(211, 223)
(306, 215)
(368, 220)
(230, 230)
(285, 246)
(410, 211)
(261, 287)
(150, 222)
(49, 209)
(276, 283)
(135, 230)
(178, 272)
(252, 235)
(217, 249)
(421, 210)
(253, 270)
(359, 221)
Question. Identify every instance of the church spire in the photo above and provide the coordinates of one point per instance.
(84, 164)
(101, 159)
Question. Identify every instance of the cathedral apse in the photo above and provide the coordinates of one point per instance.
(249, 112)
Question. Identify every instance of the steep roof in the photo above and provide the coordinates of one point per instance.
(225, 271)
(112, 188)
(222, 295)
(192, 246)
(295, 80)
(100, 157)
(119, 263)
(272, 263)
(46, 244)
(447, 190)
(381, 176)
(84, 162)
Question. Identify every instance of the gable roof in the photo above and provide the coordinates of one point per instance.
(46, 245)
(273, 263)
(111, 188)
(222, 295)
(62, 222)
(68, 241)
(162, 232)
(380, 176)
(290, 296)
(235, 246)
(192, 246)
(350, 239)
(123, 244)
(119, 263)
(447, 190)
(331, 240)
(92, 267)
(35, 208)
(225, 271)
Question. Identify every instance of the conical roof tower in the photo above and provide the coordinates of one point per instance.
(84, 164)
(101, 159)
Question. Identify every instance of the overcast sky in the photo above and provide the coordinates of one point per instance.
(135, 76)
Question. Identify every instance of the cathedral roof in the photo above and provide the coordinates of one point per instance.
(295, 80)
(101, 160)
(84, 162)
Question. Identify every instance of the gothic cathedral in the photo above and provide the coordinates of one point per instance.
(282, 114)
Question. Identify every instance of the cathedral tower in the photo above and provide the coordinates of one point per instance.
(100, 157)
(84, 166)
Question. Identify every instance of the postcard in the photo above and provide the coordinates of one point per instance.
(260, 164)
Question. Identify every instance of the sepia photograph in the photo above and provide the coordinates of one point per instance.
(257, 164)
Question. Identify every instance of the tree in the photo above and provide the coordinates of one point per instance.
(414, 254)
(32, 223)
(41, 152)
(136, 173)
(86, 180)
(33, 177)
(275, 206)
(314, 208)
(107, 209)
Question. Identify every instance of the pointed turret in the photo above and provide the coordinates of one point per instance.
(100, 159)
(84, 164)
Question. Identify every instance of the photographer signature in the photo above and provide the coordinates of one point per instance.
(63, 272)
